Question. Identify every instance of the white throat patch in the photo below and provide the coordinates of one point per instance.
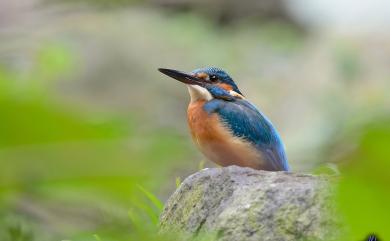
(199, 93)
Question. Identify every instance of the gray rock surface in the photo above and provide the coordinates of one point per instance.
(235, 203)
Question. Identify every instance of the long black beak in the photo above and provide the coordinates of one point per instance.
(182, 77)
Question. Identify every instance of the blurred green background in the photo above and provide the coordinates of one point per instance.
(91, 135)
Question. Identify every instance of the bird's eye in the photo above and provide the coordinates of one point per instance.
(213, 78)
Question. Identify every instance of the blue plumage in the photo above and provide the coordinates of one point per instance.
(219, 93)
(245, 121)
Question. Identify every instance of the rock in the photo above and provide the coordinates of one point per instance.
(235, 203)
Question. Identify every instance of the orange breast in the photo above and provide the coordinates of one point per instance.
(217, 143)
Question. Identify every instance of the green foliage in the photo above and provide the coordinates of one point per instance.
(71, 174)
(327, 169)
(50, 62)
(157, 203)
(29, 117)
(178, 182)
(363, 193)
(201, 164)
(97, 237)
(39, 122)
(18, 233)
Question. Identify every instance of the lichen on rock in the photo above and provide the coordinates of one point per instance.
(238, 203)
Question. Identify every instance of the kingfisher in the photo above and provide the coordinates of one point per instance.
(225, 126)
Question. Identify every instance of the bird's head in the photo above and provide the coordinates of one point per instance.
(205, 82)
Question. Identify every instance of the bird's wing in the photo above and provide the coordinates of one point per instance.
(244, 120)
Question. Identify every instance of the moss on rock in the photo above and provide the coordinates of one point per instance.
(236, 203)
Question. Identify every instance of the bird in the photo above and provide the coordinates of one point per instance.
(225, 126)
